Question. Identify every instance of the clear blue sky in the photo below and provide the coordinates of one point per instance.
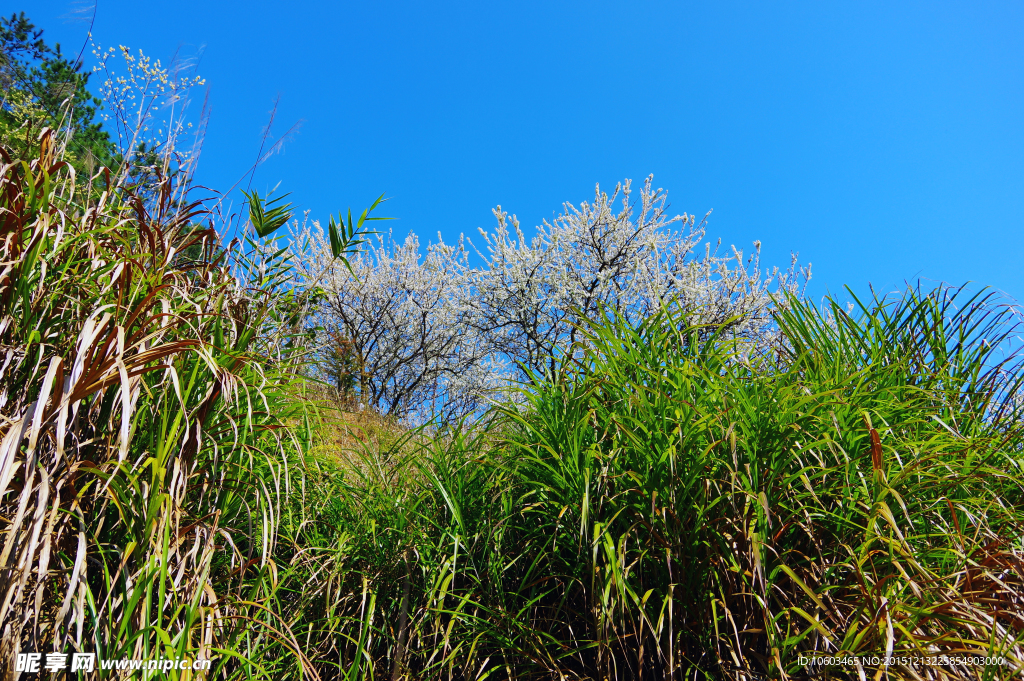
(883, 141)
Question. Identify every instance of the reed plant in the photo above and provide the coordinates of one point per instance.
(680, 504)
(695, 509)
(669, 501)
(145, 462)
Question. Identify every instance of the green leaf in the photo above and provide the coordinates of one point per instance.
(332, 230)
(265, 216)
(346, 239)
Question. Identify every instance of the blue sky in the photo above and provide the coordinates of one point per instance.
(883, 141)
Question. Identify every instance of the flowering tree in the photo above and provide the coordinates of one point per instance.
(533, 296)
(434, 336)
(398, 333)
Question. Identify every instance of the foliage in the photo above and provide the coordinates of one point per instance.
(38, 80)
(266, 217)
(439, 336)
(403, 322)
(346, 237)
(694, 480)
(667, 505)
(143, 462)
(715, 515)
(144, 106)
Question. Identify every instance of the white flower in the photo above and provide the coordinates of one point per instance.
(435, 336)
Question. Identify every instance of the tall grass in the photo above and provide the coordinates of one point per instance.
(860, 492)
(144, 463)
(678, 507)
(670, 503)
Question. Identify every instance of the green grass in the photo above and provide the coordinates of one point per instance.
(675, 507)
(676, 504)
(145, 464)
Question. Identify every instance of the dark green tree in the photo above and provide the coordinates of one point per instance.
(44, 88)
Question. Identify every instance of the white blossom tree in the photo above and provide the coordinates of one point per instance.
(434, 336)
(533, 295)
(398, 328)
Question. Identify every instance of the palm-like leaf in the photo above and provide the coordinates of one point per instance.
(267, 215)
(346, 236)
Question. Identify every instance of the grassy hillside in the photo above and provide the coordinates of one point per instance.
(671, 503)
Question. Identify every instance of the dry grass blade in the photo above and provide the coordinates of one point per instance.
(131, 461)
